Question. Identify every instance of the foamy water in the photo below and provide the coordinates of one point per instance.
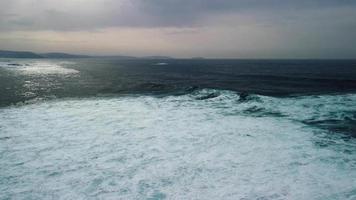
(177, 147)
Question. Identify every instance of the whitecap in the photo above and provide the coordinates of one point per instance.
(175, 147)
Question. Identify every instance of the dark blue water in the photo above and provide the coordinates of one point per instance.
(110, 76)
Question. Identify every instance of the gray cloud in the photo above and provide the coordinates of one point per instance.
(222, 28)
(88, 15)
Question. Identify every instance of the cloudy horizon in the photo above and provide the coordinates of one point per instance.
(182, 28)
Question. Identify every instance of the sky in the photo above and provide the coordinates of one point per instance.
(182, 28)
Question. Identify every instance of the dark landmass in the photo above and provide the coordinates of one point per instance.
(197, 58)
(18, 54)
(157, 57)
(54, 55)
(28, 54)
(117, 57)
(62, 55)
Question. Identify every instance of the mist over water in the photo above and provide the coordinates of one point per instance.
(136, 130)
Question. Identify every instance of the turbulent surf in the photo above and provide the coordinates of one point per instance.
(126, 137)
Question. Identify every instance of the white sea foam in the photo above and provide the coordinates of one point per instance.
(174, 147)
(161, 63)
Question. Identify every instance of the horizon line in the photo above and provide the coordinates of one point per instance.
(163, 57)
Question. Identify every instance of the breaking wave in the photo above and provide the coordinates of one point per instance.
(208, 144)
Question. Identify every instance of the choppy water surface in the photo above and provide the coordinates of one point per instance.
(196, 144)
(144, 147)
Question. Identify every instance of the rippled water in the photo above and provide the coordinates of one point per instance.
(22, 80)
(179, 147)
(36, 67)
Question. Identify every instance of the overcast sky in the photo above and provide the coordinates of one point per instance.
(182, 28)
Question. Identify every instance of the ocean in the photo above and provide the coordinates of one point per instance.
(105, 128)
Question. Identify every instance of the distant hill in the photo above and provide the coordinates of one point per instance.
(18, 54)
(157, 57)
(27, 54)
(62, 55)
(118, 57)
